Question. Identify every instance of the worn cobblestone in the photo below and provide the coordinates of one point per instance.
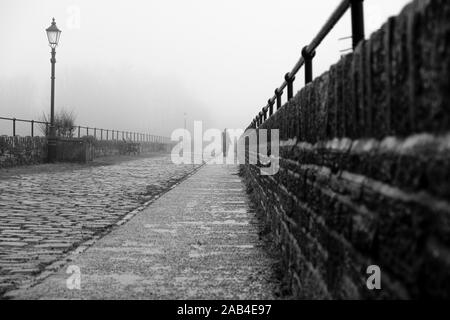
(44, 215)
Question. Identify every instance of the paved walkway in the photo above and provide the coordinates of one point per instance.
(49, 210)
(198, 241)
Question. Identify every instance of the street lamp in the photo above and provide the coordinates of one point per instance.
(53, 34)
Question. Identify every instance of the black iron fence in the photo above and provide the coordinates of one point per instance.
(80, 131)
(308, 53)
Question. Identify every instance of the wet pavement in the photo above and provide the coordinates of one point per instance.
(200, 240)
(48, 211)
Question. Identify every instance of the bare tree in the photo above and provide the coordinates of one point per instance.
(64, 123)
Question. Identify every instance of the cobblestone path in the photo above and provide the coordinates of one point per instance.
(44, 215)
(200, 240)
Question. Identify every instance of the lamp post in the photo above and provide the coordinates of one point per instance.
(53, 34)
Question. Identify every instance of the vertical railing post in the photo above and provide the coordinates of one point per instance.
(14, 127)
(101, 134)
(308, 56)
(264, 110)
(358, 33)
(87, 131)
(32, 128)
(290, 85)
(107, 134)
(278, 94)
(270, 104)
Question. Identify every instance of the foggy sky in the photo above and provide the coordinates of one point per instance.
(141, 64)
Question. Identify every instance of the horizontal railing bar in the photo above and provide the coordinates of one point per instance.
(22, 120)
(329, 25)
(309, 50)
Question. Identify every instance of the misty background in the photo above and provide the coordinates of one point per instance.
(140, 65)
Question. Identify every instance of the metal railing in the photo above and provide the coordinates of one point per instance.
(308, 53)
(97, 133)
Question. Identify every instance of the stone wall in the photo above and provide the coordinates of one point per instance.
(365, 167)
(74, 150)
(104, 148)
(16, 151)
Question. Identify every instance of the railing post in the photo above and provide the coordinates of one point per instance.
(95, 133)
(101, 134)
(358, 34)
(79, 132)
(278, 94)
(32, 128)
(264, 110)
(14, 127)
(107, 134)
(308, 64)
(270, 104)
(290, 85)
